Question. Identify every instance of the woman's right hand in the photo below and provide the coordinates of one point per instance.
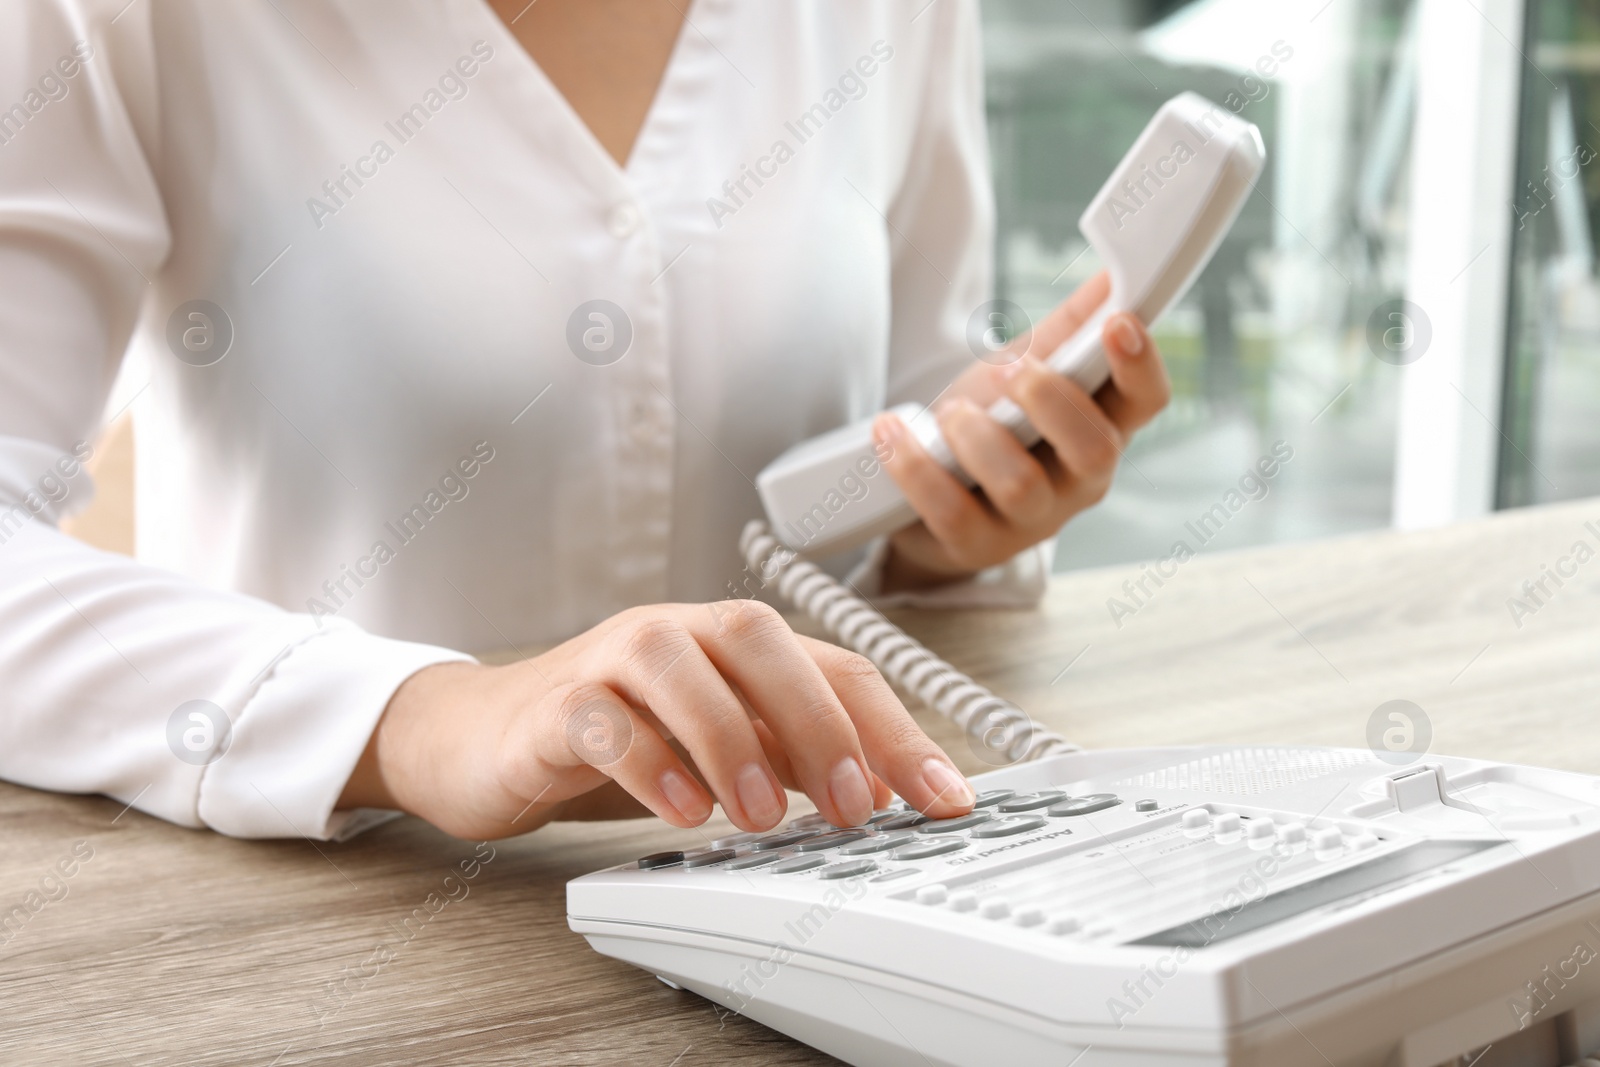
(749, 706)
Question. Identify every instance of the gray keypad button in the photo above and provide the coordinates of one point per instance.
(1031, 801)
(903, 821)
(923, 850)
(707, 858)
(847, 869)
(1146, 805)
(1019, 824)
(814, 821)
(755, 859)
(783, 840)
(950, 826)
(884, 815)
(1084, 805)
(889, 876)
(990, 797)
(823, 842)
(797, 863)
(878, 843)
(660, 859)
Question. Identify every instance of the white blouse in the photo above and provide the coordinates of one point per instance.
(426, 370)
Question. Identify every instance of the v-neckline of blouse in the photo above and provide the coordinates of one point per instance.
(673, 83)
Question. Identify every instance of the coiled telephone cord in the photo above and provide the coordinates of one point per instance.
(1000, 732)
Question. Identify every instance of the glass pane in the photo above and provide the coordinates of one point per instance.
(1271, 345)
(1553, 370)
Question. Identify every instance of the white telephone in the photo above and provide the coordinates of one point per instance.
(1177, 907)
(1216, 906)
(1155, 224)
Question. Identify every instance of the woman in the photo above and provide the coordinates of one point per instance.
(467, 325)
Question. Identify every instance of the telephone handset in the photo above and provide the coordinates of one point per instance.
(1155, 224)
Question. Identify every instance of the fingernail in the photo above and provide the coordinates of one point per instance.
(946, 782)
(852, 796)
(757, 796)
(885, 427)
(688, 798)
(1130, 339)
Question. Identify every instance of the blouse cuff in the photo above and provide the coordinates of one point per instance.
(299, 737)
(1020, 582)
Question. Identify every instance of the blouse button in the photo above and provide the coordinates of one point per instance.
(624, 220)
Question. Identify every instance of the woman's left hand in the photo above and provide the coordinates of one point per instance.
(1026, 495)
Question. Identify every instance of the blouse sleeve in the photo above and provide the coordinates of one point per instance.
(203, 707)
(942, 228)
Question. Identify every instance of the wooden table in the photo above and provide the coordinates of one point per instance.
(173, 946)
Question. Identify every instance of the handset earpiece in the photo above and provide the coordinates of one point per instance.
(1155, 224)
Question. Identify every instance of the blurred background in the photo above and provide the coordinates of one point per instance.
(1552, 445)
(1272, 343)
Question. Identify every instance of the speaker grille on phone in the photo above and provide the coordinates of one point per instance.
(1247, 771)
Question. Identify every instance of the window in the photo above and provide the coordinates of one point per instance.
(1552, 385)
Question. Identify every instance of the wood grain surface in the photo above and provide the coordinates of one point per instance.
(169, 946)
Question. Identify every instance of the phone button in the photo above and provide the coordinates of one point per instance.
(755, 859)
(1007, 827)
(950, 826)
(905, 820)
(795, 864)
(1084, 805)
(783, 840)
(990, 797)
(880, 843)
(822, 842)
(1031, 801)
(706, 859)
(923, 850)
(848, 869)
(657, 860)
